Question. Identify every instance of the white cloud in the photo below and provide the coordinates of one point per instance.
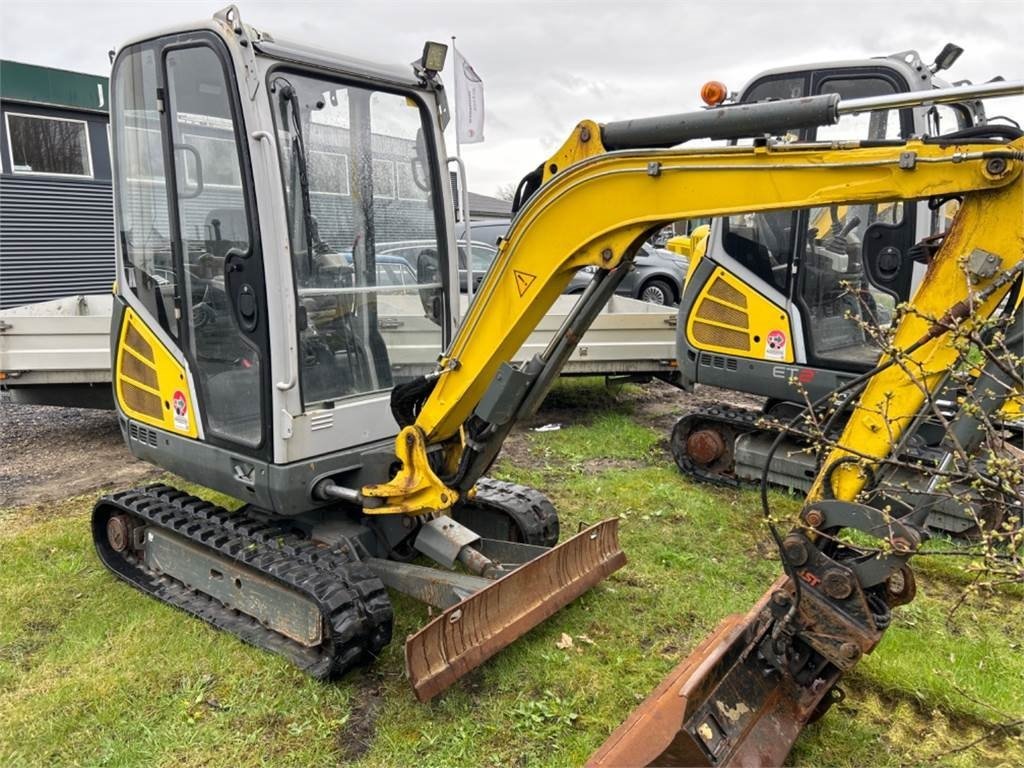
(547, 65)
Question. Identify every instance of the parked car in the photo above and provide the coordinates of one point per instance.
(481, 254)
(487, 231)
(657, 277)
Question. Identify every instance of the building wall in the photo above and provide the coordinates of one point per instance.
(56, 232)
(56, 239)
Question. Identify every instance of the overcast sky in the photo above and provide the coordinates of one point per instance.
(546, 65)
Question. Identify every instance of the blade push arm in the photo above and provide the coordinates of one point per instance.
(594, 210)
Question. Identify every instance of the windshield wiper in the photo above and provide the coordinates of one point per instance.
(289, 97)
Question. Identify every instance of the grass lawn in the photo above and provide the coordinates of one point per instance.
(94, 673)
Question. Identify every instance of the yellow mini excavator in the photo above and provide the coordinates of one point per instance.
(258, 184)
(789, 305)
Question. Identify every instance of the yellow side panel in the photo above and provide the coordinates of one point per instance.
(151, 385)
(730, 317)
(1014, 409)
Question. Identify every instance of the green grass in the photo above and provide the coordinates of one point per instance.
(94, 673)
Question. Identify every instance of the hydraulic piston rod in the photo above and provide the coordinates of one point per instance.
(737, 121)
(935, 96)
(732, 122)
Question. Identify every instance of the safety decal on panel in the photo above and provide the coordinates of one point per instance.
(775, 345)
(523, 281)
(180, 406)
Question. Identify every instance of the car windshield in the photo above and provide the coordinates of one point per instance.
(481, 255)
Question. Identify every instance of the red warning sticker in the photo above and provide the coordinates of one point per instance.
(775, 345)
(179, 404)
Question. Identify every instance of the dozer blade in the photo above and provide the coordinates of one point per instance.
(721, 707)
(470, 632)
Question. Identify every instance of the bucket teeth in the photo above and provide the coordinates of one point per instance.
(470, 632)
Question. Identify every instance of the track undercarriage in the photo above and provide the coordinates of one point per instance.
(313, 588)
(730, 445)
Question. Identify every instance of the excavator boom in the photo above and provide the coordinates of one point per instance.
(595, 213)
(746, 693)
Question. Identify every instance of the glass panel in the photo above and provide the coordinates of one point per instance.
(48, 145)
(841, 304)
(214, 223)
(141, 195)
(483, 256)
(220, 163)
(383, 179)
(947, 118)
(363, 236)
(866, 125)
(145, 158)
(763, 243)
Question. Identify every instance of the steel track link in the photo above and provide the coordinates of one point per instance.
(353, 603)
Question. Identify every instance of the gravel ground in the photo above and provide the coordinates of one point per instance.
(53, 453)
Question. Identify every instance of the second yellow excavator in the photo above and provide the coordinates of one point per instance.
(790, 305)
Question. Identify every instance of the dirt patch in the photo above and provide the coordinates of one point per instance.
(656, 404)
(356, 737)
(599, 465)
(472, 683)
(54, 453)
(34, 636)
(659, 405)
(516, 449)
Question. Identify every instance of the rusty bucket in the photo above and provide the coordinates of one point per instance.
(719, 707)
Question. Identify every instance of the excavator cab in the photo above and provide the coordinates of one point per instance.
(285, 264)
(266, 185)
(815, 280)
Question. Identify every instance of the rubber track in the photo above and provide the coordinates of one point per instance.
(532, 511)
(353, 603)
(741, 420)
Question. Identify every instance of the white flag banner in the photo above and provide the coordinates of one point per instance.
(469, 102)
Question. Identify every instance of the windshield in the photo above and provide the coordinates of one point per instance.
(357, 180)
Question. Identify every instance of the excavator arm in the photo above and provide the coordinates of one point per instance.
(744, 696)
(596, 212)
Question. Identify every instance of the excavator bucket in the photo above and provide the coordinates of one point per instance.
(722, 706)
(473, 630)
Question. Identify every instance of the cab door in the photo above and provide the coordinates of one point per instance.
(841, 297)
(189, 251)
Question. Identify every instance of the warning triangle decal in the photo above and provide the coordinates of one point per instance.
(523, 281)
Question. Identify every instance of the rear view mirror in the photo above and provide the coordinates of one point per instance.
(428, 275)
